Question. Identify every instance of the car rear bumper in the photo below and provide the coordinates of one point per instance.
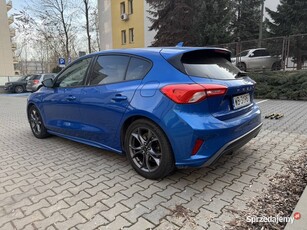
(218, 136)
(31, 88)
(203, 161)
(234, 145)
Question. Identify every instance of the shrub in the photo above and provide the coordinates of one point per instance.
(290, 85)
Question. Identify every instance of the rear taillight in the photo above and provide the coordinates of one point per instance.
(192, 93)
(35, 82)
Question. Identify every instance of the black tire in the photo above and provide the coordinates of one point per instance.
(148, 150)
(276, 66)
(242, 66)
(19, 89)
(36, 123)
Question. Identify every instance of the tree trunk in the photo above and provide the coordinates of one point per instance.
(65, 30)
(298, 54)
(87, 25)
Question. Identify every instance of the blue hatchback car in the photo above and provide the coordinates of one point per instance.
(163, 107)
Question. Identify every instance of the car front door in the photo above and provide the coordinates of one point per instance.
(258, 59)
(112, 84)
(61, 104)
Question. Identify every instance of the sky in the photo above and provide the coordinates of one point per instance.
(19, 4)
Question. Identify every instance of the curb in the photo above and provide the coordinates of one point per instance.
(301, 208)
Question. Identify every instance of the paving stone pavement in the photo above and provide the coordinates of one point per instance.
(59, 184)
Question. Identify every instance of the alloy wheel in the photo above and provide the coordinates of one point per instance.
(35, 122)
(145, 149)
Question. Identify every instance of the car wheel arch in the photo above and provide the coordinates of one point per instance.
(28, 108)
(133, 118)
(30, 104)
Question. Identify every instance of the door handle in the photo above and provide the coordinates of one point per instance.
(71, 98)
(119, 97)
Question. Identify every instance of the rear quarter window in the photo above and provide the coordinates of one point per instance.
(137, 69)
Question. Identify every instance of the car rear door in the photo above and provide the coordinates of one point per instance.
(110, 89)
(61, 104)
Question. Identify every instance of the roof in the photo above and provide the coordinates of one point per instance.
(167, 52)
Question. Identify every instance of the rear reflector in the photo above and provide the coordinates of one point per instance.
(197, 146)
(192, 93)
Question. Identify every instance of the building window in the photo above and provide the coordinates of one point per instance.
(122, 8)
(130, 6)
(131, 35)
(124, 40)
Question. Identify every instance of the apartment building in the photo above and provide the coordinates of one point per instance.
(7, 47)
(124, 24)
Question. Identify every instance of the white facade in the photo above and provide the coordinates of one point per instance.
(105, 24)
(149, 35)
(6, 52)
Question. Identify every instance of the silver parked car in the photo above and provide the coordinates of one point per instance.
(256, 59)
(35, 82)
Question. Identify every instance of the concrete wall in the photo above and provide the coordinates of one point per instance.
(149, 35)
(105, 24)
(6, 53)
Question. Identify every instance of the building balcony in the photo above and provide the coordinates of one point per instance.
(14, 46)
(15, 59)
(12, 32)
(11, 19)
(9, 5)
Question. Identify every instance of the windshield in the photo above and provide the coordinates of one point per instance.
(214, 68)
(243, 54)
(21, 78)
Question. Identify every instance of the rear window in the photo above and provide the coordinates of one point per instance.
(48, 76)
(35, 77)
(209, 65)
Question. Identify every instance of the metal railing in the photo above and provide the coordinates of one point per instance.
(292, 50)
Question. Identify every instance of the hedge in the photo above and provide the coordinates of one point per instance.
(291, 85)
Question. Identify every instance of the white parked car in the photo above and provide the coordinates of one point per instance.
(256, 59)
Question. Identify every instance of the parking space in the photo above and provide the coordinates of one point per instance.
(59, 184)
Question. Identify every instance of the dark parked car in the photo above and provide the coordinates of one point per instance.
(162, 107)
(18, 86)
(35, 82)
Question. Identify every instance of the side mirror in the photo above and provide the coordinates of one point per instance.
(48, 83)
(251, 55)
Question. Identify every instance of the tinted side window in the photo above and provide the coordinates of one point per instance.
(137, 69)
(74, 75)
(266, 53)
(109, 69)
(259, 53)
(243, 54)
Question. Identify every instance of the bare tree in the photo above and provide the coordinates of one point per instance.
(87, 24)
(55, 18)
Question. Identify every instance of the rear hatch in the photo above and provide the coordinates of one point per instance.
(34, 80)
(213, 66)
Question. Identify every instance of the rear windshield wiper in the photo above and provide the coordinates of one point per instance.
(241, 74)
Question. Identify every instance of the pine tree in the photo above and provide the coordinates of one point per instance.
(173, 20)
(290, 18)
(195, 22)
(212, 26)
(245, 23)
